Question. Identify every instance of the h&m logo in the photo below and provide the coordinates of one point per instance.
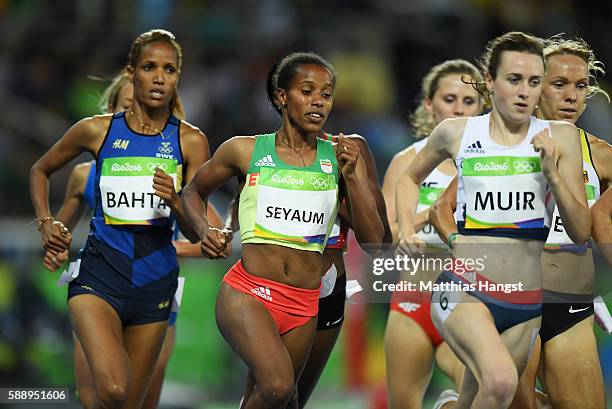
(121, 144)
(163, 305)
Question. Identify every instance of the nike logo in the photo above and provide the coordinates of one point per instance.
(573, 311)
(335, 322)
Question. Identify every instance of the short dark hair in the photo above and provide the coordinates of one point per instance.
(282, 73)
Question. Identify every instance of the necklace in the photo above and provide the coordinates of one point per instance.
(298, 151)
(145, 126)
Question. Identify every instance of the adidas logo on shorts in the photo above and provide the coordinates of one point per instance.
(263, 292)
(266, 161)
(476, 147)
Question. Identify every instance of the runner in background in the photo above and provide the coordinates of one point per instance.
(411, 340)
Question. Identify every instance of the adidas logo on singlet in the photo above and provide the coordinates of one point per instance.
(476, 147)
(263, 292)
(266, 161)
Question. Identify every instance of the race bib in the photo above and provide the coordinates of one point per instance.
(427, 197)
(299, 204)
(504, 192)
(557, 237)
(126, 188)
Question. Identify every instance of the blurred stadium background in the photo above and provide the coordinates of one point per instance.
(380, 48)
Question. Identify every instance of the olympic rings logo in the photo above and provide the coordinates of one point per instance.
(152, 165)
(319, 183)
(165, 148)
(524, 166)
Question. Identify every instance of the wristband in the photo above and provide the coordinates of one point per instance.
(42, 221)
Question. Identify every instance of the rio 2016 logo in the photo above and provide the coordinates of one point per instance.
(126, 167)
(289, 180)
(491, 167)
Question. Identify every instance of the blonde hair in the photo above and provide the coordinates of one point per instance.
(491, 58)
(557, 45)
(421, 120)
(163, 36)
(108, 100)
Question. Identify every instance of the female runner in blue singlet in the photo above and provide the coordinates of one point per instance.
(80, 191)
(120, 302)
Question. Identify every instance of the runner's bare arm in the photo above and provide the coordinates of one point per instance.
(361, 204)
(227, 162)
(370, 164)
(72, 209)
(195, 152)
(397, 167)
(602, 224)
(441, 213)
(85, 135)
(602, 160)
(187, 249)
(443, 143)
(565, 178)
